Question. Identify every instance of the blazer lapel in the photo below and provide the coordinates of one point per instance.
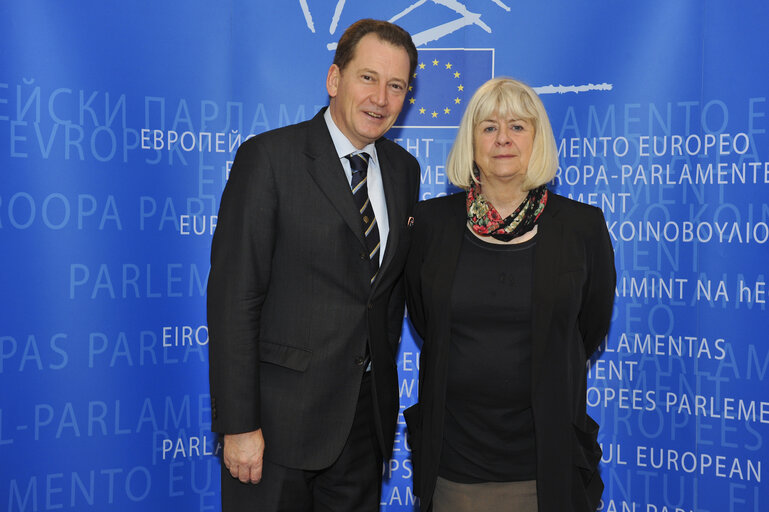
(449, 247)
(327, 171)
(547, 258)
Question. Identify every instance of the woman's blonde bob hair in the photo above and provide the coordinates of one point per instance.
(508, 98)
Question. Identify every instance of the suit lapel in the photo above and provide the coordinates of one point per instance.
(328, 173)
(547, 259)
(395, 197)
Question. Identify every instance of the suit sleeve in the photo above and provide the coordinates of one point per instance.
(598, 295)
(241, 256)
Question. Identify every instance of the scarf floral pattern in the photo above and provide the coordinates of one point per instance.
(485, 220)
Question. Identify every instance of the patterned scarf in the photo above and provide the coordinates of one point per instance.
(485, 219)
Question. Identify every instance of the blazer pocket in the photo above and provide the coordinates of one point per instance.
(293, 358)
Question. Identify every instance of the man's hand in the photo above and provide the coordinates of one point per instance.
(243, 455)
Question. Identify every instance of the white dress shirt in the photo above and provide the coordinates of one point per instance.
(373, 181)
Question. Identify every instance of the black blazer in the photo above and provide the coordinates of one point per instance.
(573, 293)
(290, 304)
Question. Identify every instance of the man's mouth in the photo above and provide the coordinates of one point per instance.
(375, 115)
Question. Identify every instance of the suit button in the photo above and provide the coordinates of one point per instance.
(370, 306)
(359, 361)
(363, 256)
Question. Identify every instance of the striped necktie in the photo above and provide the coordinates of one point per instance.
(359, 166)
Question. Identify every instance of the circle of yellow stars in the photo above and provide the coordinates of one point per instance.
(435, 113)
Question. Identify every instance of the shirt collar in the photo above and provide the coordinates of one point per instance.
(342, 144)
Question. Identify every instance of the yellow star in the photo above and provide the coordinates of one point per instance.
(435, 62)
(457, 101)
(435, 114)
(421, 65)
(412, 100)
(422, 110)
(446, 110)
(460, 87)
(448, 66)
(415, 75)
(411, 87)
(456, 74)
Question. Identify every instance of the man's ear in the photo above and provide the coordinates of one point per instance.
(332, 80)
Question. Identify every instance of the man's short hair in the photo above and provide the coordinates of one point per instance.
(385, 31)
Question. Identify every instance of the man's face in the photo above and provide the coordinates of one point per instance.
(367, 96)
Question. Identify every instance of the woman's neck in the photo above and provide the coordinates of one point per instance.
(505, 198)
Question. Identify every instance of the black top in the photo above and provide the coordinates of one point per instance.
(488, 430)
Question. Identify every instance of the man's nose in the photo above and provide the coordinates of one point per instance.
(379, 97)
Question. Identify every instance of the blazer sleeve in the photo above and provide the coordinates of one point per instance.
(241, 257)
(598, 293)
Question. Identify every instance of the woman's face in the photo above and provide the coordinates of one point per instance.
(502, 148)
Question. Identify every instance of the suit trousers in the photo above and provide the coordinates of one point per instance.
(351, 484)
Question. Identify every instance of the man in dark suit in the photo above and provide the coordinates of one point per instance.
(305, 295)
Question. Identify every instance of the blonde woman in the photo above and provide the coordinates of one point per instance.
(511, 288)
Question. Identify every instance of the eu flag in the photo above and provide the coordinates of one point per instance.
(444, 81)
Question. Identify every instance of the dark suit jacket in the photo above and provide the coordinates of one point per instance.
(290, 304)
(574, 281)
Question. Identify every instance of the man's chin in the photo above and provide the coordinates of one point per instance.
(376, 134)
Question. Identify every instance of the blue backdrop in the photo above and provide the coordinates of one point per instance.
(118, 125)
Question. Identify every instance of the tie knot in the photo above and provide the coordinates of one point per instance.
(358, 161)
